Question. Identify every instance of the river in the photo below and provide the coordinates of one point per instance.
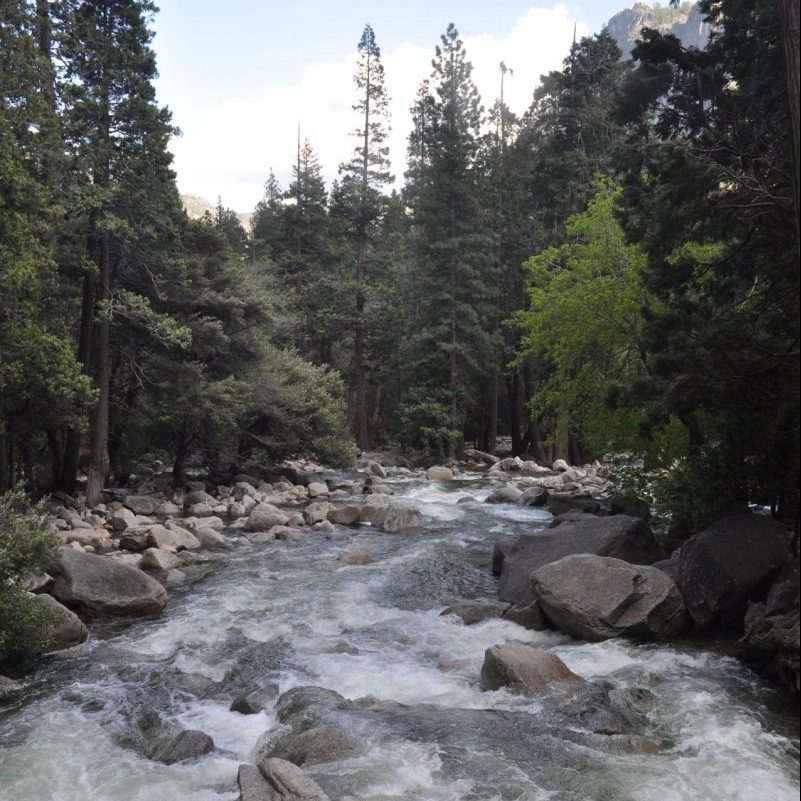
(293, 613)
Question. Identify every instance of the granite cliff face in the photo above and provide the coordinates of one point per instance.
(686, 22)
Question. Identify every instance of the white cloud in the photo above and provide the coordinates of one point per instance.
(231, 150)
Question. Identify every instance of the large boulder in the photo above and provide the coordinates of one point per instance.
(288, 782)
(533, 496)
(65, 628)
(596, 598)
(98, 586)
(618, 536)
(264, 517)
(252, 785)
(143, 504)
(732, 562)
(370, 507)
(120, 519)
(771, 640)
(524, 669)
(397, 516)
(439, 473)
(561, 502)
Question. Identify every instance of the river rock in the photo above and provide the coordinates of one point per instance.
(288, 782)
(96, 585)
(317, 511)
(252, 785)
(300, 700)
(210, 538)
(596, 598)
(525, 670)
(244, 489)
(143, 504)
(396, 517)
(167, 509)
(618, 744)
(199, 496)
(254, 702)
(371, 505)
(172, 538)
(439, 473)
(471, 613)
(37, 583)
(176, 747)
(344, 515)
(264, 517)
(317, 489)
(730, 563)
(771, 639)
(602, 708)
(313, 746)
(133, 540)
(286, 533)
(534, 496)
(529, 616)
(158, 559)
(120, 519)
(375, 469)
(66, 630)
(561, 502)
(508, 494)
(618, 536)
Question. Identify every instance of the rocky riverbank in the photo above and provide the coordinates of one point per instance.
(294, 671)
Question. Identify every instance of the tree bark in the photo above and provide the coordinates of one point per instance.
(790, 42)
(514, 410)
(99, 463)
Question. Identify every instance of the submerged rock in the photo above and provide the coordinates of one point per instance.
(596, 597)
(312, 746)
(472, 613)
(178, 746)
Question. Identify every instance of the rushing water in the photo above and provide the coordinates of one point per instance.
(295, 614)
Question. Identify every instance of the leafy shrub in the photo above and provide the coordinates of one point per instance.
(27, 545)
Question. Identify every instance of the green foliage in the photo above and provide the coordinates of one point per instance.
(298, 408)
(27, 545)
(425, 420)
(584, 320)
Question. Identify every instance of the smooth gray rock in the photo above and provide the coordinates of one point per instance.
(529, 616)
(397, 517)
(316, 512)
(507, 494)
(176, 747)
(471, 613)
(264, 516)
(252, 785)
(98, 586)
(210, 538)
(534, 496)
(143, 504)
(158, 559)
(288, 782)
(66, 630)
(344, 515)
(525, 670)
(254, 702)
(596, 598)
(618, 536)
(173, 537)
(313, 746)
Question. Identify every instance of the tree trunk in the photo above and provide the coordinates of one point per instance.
(72, 441)
(562, 434)
(790, 43)
(179, 464)
(492, 422)
(99, 463)
(514, 410)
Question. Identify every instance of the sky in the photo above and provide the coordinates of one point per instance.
(241, 76)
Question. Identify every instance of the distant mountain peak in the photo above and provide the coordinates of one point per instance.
(684, 21)
(196, 206)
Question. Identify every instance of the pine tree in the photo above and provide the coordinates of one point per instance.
(361, 202)
(117, 136)
(455, 263)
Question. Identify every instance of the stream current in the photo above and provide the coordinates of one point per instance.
(294, 614)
